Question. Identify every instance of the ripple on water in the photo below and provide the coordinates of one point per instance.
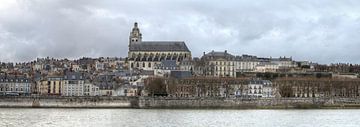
(158, 117)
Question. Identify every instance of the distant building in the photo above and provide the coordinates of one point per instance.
(73, 84)
(91, 89)
(260, 88)
(146, 54)
(14, 85)
(219, 64)
(51, 85)
(165, 67)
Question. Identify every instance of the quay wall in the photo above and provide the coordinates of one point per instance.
(69, 102)
(173, 103)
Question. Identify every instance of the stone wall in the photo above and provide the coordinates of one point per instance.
(245, 103)
(69, 102)
(166, 102)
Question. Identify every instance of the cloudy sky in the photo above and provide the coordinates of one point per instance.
(316, 30)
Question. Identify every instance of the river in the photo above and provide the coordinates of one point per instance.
(165, 117)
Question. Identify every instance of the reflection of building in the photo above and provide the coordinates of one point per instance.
(146, 54)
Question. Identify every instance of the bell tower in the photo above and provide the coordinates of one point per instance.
(135, 35)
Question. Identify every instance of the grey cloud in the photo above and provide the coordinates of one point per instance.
(319, 31)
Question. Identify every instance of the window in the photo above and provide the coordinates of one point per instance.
(149, 65)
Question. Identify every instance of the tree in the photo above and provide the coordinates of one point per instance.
(156, 87)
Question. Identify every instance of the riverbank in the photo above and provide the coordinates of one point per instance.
(179, 103)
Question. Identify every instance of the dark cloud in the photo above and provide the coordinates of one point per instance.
(319, 31)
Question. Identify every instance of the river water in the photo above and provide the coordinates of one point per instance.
(161, 117)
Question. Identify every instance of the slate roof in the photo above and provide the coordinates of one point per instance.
(8, 79)
(180, 74)
(159, 46)
(218, 55)
(167, 63)
(73, 76)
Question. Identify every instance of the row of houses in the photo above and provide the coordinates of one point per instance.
(69, 84)
(216, 87)
(14, 85)
(224, 64)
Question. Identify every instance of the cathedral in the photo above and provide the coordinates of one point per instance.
(145, 55)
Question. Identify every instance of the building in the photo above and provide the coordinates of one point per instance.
(51, 85)
(73, 84)
(259, 88)
(146, 54)
(268, 89)
(165, 67)
(266, 67)
(91, 89)
(13, 85)
(219, 64)
(255, 88)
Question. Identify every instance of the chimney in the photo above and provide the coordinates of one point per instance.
(225, 51)
(204, 53)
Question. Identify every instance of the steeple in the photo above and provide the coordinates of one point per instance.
(135, 35)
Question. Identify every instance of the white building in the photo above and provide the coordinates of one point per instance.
(267, 67)
(14, 85)
(73, 84)
(91, 89)
(260, 88)
(99, 65)
(268, 89)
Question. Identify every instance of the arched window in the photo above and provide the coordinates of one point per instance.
(144, 64)
(137, 65)
(149, 64)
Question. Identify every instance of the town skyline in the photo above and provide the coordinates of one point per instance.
(37, 29)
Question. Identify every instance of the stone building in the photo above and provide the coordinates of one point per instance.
(73, 84)
(90, 89)
(51, 85)
(13, 85)
(146, 54)
(219, 64)
(260, 88)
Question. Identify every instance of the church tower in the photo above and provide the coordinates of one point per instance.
(135, 35)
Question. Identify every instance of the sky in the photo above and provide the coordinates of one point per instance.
(323, 31)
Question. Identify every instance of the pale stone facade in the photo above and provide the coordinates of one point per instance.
(15, 85)
(73, 84)
(51, 85)
(91, 89)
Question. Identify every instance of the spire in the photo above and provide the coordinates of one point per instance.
(135, 35)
